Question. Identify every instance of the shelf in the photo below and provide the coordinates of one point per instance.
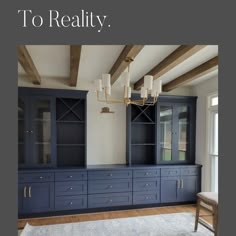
(142, 123)
(67, 145)
(43, 120)
(143, 144)
(42, 143)
(70, 121)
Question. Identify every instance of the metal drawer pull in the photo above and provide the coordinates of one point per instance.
(182, 183)
(25, 192)
(110, 186)
(110, 200)
(110, 174)
(41, 177)
(30, 191)
(70, 176)
(146, 173)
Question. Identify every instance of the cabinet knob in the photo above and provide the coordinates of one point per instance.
(146, 198)
(41, 177)
(110, 174)
(110, 186)
(71, 203)
(146, 185)
(71, 188)
(146, 173)
(110, 200)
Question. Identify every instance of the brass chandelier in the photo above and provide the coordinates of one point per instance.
(148, 95)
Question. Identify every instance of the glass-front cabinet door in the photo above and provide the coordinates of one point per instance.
(41, 132)
(166, 127)
(35, 132)
(182, 116)
(22, 131)
(175, 132)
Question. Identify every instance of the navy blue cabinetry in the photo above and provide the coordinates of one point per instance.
(108, 188)
(146, 186)
(70, 190)
(180, 184)
(35, 193)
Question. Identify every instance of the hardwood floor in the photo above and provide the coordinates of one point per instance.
(111, 215)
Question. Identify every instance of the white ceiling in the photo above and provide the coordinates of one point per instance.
(54, 61)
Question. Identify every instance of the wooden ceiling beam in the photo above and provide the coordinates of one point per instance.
(120, 65)
(27, 63)
(175, 58)
(193, 74)
(75, 52)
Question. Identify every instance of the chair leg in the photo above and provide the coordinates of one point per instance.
(197, 214)
(215, 220)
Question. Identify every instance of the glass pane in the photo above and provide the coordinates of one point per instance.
(166, 132)
(183, 132)
(214, 101)
(215, 134)
(21, 131)
(42, 132)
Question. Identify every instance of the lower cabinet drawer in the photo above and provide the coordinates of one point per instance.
(70, 188)
(190, 171)
(108, 200)
(146, 184)
(71, 202)
(146, 197)
(109, 174)
(170, 172)
(71, 175)
(146, 173)
(35, 177)
(110, 186)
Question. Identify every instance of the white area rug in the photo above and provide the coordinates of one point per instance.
(179, 224)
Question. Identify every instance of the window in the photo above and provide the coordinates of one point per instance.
(213, 142)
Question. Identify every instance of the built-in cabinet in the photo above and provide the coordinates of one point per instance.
(163, 133)
(35, 132)
(53, 174)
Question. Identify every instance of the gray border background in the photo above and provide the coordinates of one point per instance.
(133, 22)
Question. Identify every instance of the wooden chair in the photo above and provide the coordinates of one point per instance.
(210, 199)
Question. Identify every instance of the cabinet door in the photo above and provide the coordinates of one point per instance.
(42, 132)
(169, 189)
(182, 132)
(23, 131)
(189, 188)
(22, 198)
(165, 132)
(39, 197)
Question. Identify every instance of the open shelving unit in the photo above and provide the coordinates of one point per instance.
(71, 132)
(142, 135)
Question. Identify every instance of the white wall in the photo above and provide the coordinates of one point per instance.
(203, 90)
(106, 133)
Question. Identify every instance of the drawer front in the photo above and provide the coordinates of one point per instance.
(147, 173)
(71, 175)
(71, 202)
(70, 188)
(108, 200)
(110, 186)
(36, 177)
(190, 171)
(146, 184)
(113, 174)
(170, 172)
(146, 197)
